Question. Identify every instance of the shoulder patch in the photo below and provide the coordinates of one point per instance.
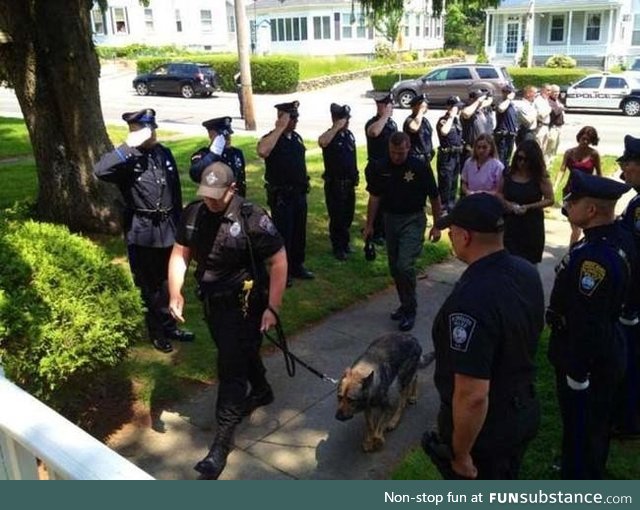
(267, 225)
(591, 275)
(461, 327)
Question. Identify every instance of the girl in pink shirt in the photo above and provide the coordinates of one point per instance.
(483, 170)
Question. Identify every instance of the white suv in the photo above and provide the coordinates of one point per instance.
(605, 91)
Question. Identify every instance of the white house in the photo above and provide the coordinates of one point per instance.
(598, 33)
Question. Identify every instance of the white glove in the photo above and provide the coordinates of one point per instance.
(577, 386)
(137, 138)
(217, 146)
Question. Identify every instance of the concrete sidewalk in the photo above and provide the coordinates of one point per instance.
(297, 437)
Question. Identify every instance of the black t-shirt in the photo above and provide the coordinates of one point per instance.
(378, 147)
(220, 246)
(340, 157)
(403, 188)
(286, 165)
(421, 142)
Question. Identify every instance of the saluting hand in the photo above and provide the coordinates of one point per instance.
(176, 305)
(340, 123)
(137, 138)
(217, 146)
(282, 121)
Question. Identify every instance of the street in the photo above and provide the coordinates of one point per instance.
(186, 115)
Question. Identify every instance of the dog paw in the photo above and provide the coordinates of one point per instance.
(378, 443)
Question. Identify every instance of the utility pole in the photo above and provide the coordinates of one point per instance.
(244, 60)
(531, 32)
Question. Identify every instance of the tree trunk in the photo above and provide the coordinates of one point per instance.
(52, 65)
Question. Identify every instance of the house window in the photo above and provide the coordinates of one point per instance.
(231, 20)
(592, 30)
(361, 28)
(288, 29)
(426, 28)
(556, 28)
(635, 36)
(98, 24)
(178, 21)
(120, 20)
(322, 27)
(347, 30)
(206, 23)
(148, 20)
(439, 28)
(406, 25)
(418, 25)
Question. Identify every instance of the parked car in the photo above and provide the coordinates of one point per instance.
(184, 78)
(451, 80)
(604, 91)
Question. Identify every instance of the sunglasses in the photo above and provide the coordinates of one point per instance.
(520, 157)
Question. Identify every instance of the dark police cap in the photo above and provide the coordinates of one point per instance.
(582, 184)
(221, 125)
(508, 89)
(290, 108)
(455, 101)
(340, 112)
(420, 98)
(383, 98)
(479, 212)
(146, 117)
(631, 149)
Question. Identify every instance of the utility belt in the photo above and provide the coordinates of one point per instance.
(288, 189)
(451, 150)
(504, 133)
(159, 214)
(241, 298)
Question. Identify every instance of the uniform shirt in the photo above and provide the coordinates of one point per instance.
(421, 143)
(403, 189)
(340, 162)
(484, 177)
(378, 147)
(589, 291)
(473, 126)
(286, 165)
(489, 121)
(148, 181)
(454, 137)
(507, 120)
(231, 156)
(220, 246)
(631, 220)
(492, 339)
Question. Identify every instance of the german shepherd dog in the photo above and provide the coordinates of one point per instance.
(381, 383)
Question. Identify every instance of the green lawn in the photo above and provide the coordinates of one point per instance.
(317, 67)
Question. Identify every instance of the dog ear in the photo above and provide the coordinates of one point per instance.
(366, 382)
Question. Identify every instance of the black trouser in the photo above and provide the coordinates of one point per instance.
(448, 166)
(340, 197)
(627, 408)
(289, 213)
(240, 100)
(238, 339)
(149, 267)
(586, 424)
(505, 142)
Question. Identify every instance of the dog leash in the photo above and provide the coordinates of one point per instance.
(290, 359)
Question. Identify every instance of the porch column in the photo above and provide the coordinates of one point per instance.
(486, 32)
(569, 25)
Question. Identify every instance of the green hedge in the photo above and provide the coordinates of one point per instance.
(384, 80)
(67, 313)
(269, 75)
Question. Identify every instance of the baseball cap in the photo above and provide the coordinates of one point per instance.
(479, 212)
(215, 180)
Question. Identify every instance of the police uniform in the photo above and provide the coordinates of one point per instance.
(340, 180)
(506, 129)
(421, 142)
(627, 417)
(287, 185)
(494, 340)
(586, 346)
(231, 156)
(378, 149)
(449, 155)
(403, 190)
(150, 185)
(230, 249)
(472, 126)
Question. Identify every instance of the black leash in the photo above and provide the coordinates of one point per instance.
(291, 359)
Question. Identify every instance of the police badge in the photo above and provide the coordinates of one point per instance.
(461, 328)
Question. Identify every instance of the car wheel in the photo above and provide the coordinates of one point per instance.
(631, 107)
(187, 91)
(142, 89)
(405, 97)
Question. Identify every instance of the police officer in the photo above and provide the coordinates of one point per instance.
(340, 178)
(473, 119)
(419, 129)
(378, 130)
(400, 185)
(449, 132)
(241, 273)
(147, 176)
(586, 346)
(287, 185)
(485, 349)
(220, 149)
(627, 418)
(506, 125)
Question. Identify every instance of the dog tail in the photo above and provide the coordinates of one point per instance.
(426, 359)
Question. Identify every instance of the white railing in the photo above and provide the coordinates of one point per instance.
(38, 443)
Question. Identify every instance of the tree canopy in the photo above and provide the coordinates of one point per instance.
(381, 6)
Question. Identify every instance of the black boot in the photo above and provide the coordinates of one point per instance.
(211, 467)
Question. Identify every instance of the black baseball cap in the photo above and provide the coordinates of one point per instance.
(479, 212)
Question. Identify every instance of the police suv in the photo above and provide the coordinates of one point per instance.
(605, 91)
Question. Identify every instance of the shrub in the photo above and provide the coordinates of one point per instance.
(67, 314)
(560, 61)
(383, 81)
(384, 51)
(449, 52)
(482, 57)
(540, 75)
(524, 58)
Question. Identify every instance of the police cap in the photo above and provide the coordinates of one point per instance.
(475, 94)
(290, 108)
(146, 117)
(340, 112)
(385, 98)
(582, 184)
(215, 180)
(420, 98)
(631, 149)
(221, 125)
(455, 101)
(507, 89)
(479, 212)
